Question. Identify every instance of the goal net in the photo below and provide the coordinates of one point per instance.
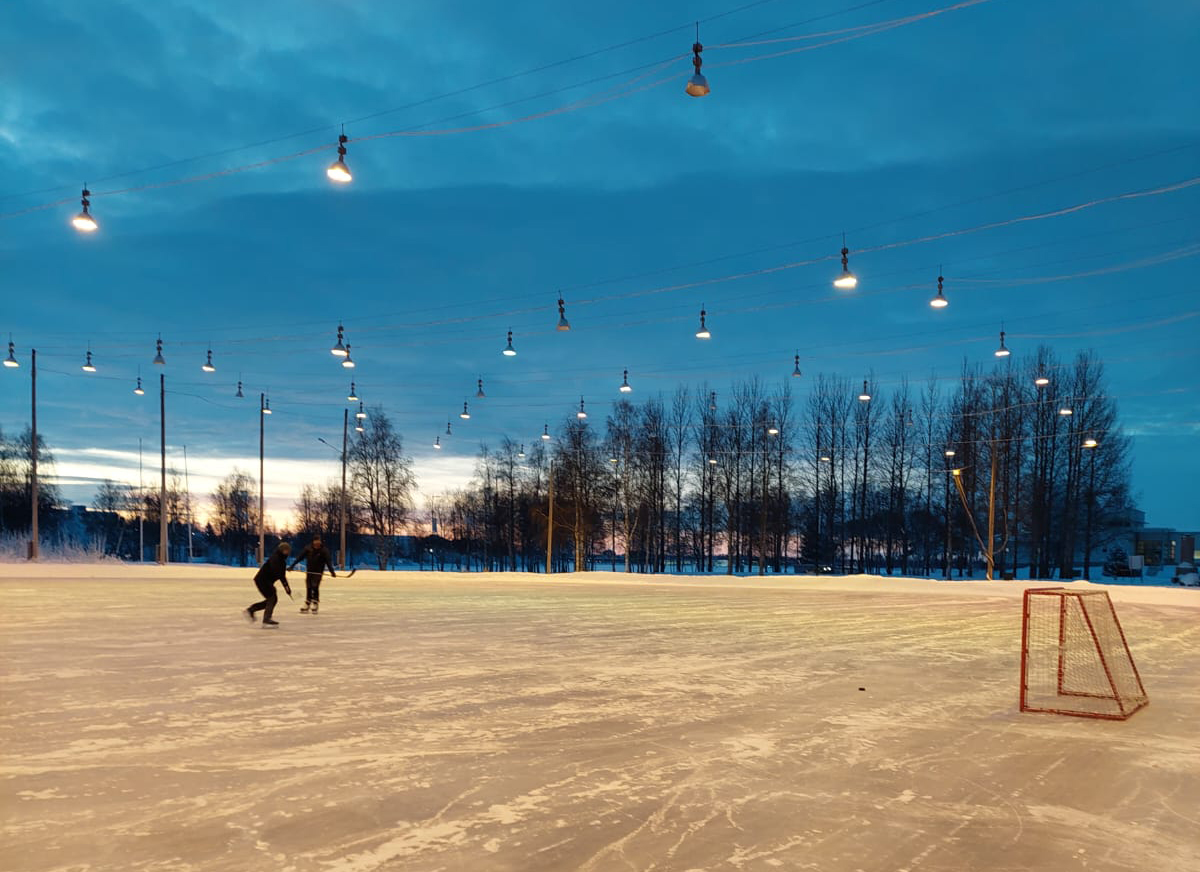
(1074, 658)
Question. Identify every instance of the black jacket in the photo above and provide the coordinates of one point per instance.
(275, 569)
(319, 559)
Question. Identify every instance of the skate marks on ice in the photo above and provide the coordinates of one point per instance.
(476, 723)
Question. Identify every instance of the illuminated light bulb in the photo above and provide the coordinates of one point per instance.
(865, 396)
(339, 350)
(84, 220)
(772, 430)
(437, 442)
(581, 414)
(338, 171)
(509, 351)
(521, 453)
(207, 366)
(11, 361)
(1090, 442)
(847, 280)
(360, 414)
(625, 388)
(825, 458)
(1066, 412)
(1041, 381)
(563, 326)
(352, 397)
(138, 390)
(949, 452)
(347, 361)
(712, 461)
(87, 366)
(1002, 351)
(359, 427)
(464, 414)
(546, 433)
(703, 333)
(266, 410)
(940, 301)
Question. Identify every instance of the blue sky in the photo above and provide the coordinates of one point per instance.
(442, 243)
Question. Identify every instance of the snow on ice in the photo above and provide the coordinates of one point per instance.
(598, 721)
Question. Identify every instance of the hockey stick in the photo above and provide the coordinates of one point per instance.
(350, 573)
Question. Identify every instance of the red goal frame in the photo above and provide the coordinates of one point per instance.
(1085, 668)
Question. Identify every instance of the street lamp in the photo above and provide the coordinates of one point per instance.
(847, 281)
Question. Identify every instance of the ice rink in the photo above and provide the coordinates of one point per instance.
(429, 721)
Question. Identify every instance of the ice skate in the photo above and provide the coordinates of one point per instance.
(306, 606)
(249, 615)
(270, 622)
(314, 607)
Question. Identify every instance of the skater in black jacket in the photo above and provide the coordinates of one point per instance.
(318, 559)
(275, 569)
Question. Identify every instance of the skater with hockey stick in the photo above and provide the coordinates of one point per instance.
(317, 559)
(275, 569)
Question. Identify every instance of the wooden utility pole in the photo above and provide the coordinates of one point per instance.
(345, 425)
(991, 543)
(164, 551)
(550, 521)
(33, 454)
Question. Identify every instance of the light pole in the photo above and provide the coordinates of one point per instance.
(550, 519)
(345, 424)
(164, 551)
(1090, 444)
(33, 449)
(262, 530)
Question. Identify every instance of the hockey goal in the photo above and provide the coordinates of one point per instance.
(1074, 658)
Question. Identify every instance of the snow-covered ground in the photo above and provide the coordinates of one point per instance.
(597, 721)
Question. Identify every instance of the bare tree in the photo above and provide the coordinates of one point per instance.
(383, 481)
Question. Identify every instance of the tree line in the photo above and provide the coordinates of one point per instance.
(909, 481)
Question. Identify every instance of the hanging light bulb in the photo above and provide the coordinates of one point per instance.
(697, 85)
(712, 461)
(352, 397)
(796, 373)
(563, 326)
(437, 442)
(625, 388)
(359, 427)
(207, 366)
(1041, 380)
(546, 433)
(703, 333)
(581, 414)
(847, 280)
(1066, 411)
(479, 394)
(84, 220)
(1090, 442)
(347, 361)
(339, 350)
(772, 430)
(949, 452)
(11, 360)
(464, 414)
(940, 301)
(138, 390)
(1002, 351)
(448, 433)
(338, 171)
(864, 396)
(158, 358)
(360, 414)
(521, 453)
(509, 351)
(825, 458)
(87, 364)
(239, 395)
(266, 409)
(612, 460)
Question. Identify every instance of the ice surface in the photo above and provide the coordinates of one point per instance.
(430, 721)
